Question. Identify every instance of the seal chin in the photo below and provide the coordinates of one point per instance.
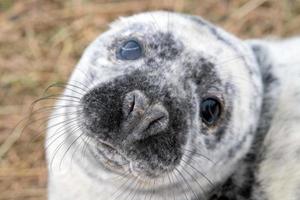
(153, 179)
(143, 171)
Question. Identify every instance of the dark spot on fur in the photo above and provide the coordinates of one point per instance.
(162, 47)
(232, 152)
(103, 118)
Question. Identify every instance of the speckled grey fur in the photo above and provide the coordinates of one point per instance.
(96, 150)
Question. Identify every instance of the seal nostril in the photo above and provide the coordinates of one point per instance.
(156, 118)
(142, 120)
(135, 103)
(131, 105)
(154, 121)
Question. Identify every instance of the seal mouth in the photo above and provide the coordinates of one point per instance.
(111, 157)
(114, 160)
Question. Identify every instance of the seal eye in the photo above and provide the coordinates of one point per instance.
(210, 111)
(130, 50)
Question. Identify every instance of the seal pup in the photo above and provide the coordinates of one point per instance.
(168, 106)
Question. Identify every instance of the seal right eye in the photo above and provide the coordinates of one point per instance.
(130, 50)
(210, 111)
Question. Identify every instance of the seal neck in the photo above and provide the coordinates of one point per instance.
(242, 183)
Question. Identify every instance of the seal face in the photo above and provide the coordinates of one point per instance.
(168, 98)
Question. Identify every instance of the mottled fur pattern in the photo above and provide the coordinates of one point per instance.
(94, 152)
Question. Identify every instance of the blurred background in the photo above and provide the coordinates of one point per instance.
(41, 41)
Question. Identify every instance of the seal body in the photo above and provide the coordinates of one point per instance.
(169, 106)
(278, 174)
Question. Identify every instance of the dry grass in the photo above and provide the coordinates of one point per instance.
(41, 40)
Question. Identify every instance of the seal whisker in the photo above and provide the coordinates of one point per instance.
(171, 183)
(60, 134)
(66, 87)
(201, 187)
(70, 146)
(45, 118)
(155, 22)
(123, 185)
(133, 190)
(122, 176)
(56, 107)
(174, 182)
(58, 98)
(137, 187)
(54, 97)
(201, 173)
(53, 116)
(60, 131)
(86, 142)
(62, 123)
(232, 59)
(62, 95)
(199, 154)
(177, 178)
(60, 146)
(153, 190)
(84, 88)
(88, 77)
(134, 181)
(186, 182)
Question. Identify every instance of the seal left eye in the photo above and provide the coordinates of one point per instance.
(210, 111)
(130, 50)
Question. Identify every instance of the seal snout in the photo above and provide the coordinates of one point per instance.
(142, 119)
(138, 121)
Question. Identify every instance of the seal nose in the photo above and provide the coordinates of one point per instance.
(141, 119)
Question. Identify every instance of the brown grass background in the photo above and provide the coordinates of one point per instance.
(41, 41)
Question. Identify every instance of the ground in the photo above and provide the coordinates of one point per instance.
(41, 41)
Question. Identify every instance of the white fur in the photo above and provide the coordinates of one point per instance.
(68, 181)
(279, 173)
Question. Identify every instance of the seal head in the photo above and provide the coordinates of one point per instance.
(165, 94)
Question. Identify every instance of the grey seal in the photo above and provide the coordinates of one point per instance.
(168, 106)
